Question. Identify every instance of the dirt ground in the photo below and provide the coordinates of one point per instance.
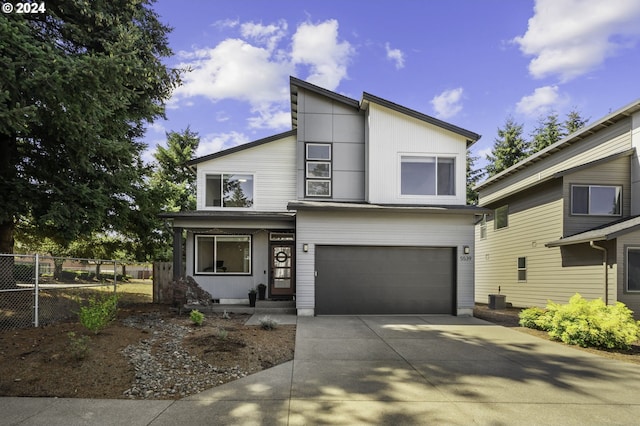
(509, 318)
(39, 362)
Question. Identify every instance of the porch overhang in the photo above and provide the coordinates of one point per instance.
(367, 207)
(602, 233)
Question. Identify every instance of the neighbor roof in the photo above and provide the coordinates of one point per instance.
(571, 139)
(601, 233)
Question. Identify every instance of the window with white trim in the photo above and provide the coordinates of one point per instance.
(483, 227)
(427, 175)
(229, 190)
(318, 170)
(633, 269)
(596, 200)
(223, 254)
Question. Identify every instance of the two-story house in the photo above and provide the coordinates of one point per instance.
(565, 220)
(359, 209)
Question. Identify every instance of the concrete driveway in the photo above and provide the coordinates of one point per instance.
(402, 370)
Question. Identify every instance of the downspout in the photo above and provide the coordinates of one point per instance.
(606, 278)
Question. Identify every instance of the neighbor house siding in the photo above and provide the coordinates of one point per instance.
(533, 221)
(383, 229)
(609, 141)
(324, 120)
(616, 173)
(390, 134)
(273, 167)
(631, 299)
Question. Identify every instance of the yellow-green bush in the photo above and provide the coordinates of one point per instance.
(587, 323)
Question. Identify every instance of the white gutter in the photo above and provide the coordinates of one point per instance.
(606, 277)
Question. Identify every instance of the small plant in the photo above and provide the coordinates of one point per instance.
(99, 313)
(225, 315)
(78, 346)
(196, 317)
(268, 323)
(252, 290)
(222, 334)
(528, 317)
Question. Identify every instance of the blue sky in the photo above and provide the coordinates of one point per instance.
(469, 62)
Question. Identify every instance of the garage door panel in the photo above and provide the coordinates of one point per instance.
(384, 280)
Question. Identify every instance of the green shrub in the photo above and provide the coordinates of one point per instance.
(590, 323)
(222, 334)
(99, 313)
(197, 317)
(78, 346)
(268, 323)
(528, 317)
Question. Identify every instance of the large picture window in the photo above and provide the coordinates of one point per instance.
(596, 200)
(229, 190)
(318, 170)
(427, 175)
(223, 254)
(633, 268)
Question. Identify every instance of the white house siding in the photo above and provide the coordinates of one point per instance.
(532, 223)
(609, 141)
(273, 165)
(382, 229)
(390, 134)
(631, 299)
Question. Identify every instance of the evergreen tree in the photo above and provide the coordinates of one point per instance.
(508, 148)
(574, 122)
(548, 132)
(79, 83)
(473, 177)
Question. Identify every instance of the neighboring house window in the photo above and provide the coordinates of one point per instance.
(501, 217)
(633, 268)
(427, 175)
(223, 254)
(483, 227)
(229, 190)
(522, 269)
(318, 170)
(596, 200)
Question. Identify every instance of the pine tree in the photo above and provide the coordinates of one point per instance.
(508, 148)
(473, 177)
(548, 132)
(574, 122)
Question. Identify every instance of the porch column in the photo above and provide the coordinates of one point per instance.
(177, 253)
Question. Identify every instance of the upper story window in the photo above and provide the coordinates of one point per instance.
(597, 200)
(422, 175)
(501, 217)
(318, 170)
(229, 190)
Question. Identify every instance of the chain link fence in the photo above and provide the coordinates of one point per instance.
(38, 290)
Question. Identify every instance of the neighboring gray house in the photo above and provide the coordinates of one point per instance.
(360, 209)
(565, 220)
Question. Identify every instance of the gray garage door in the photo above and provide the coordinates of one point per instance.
(355, 280)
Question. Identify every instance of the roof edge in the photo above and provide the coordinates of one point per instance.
(242, 147)
(472, 137)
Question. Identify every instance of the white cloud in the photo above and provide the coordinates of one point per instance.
(569, 38)
(395, 55)
(318, 47)
(215, 142)
(256, 66)
(540, 102)
(448, 103)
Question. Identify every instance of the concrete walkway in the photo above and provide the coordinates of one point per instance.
(388, 370)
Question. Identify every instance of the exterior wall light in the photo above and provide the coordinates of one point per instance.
(305, 247)
(466, 249)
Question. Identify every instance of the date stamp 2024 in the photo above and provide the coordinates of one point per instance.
(24, 7)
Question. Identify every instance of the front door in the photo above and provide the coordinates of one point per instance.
(281, 282)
